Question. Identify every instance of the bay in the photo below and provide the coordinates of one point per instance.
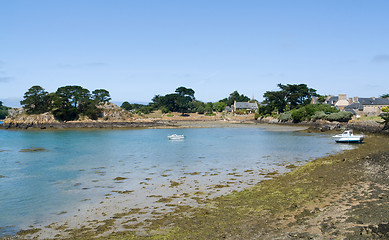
(48, 176)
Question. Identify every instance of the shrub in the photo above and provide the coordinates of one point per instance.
(299, 115)
(319, 115)
(284, 117)
(256, 116)
(200, 110)
(340, 116)
(3, 113)
(311, 109)
(385, 109)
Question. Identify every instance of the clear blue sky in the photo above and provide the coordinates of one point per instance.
(137, 49)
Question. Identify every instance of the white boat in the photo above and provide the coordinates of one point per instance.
(176, 137)
(348, 137)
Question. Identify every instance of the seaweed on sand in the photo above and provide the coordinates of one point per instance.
(33, 149)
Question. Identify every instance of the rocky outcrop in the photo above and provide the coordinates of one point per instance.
(112, 116)
(323, 125)
(91, 124)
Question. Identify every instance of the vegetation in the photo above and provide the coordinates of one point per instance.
(175, 102)
(3, 110)
(67, 103)
(385, 95)
(385, 117)
(309, 112)
(285, 117)
(235, 96)
(182, 100)
(36, 100)
(291, 96)
(137, 108)
(340, 116)
(292, 102)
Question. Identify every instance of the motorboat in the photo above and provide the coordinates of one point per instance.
(348, 137)
(176, 137)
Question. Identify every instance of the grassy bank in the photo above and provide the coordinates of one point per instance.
(344, 195)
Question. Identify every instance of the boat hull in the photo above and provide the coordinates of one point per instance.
(176, 137)
(355, 139)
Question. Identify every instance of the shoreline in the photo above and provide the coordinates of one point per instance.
(86, 125)
(321, 125)
(110, 225)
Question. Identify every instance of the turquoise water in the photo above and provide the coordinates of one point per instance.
(79, 165)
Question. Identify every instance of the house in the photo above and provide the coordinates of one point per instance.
(359, 106)
(330, 100)
(367, 106)
(228, 109)
(248, 107)
(342, 102)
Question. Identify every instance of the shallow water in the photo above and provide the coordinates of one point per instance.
(37, 187)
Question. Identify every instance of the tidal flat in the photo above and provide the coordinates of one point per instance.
(339, 196)
(238, 203)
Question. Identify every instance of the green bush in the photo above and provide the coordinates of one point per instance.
(3, 113)
(144, 109)
(319, 115)
(340, 116)
(311, 112)
(299, 115)
(200, 110)
(256, 116)
(284, 117)
(311, 109)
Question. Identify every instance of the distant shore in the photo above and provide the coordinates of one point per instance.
(86, 125)
(323, 126)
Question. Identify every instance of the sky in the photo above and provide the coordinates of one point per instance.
(137, 49)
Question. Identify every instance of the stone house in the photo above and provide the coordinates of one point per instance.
(367, 106)
(330, 100)
(359, 106)
(342, 102)
(248, 107)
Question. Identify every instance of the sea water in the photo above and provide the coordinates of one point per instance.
(74, 165)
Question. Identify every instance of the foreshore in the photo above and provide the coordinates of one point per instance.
(321, 125)
(86, 125)
(340, 196)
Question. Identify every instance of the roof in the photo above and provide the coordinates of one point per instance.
(354, 106)
(246, 105)
(374, 101)
(332, 100)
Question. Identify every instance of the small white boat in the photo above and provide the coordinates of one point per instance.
(176, 137)
(348, 137)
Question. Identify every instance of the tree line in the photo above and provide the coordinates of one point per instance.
(290, 102)
(184, 101)
(67, 103)
(3, 110)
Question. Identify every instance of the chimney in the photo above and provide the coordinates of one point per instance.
(350, 100)
(373, 98)
(356, 99)
(342, 97)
